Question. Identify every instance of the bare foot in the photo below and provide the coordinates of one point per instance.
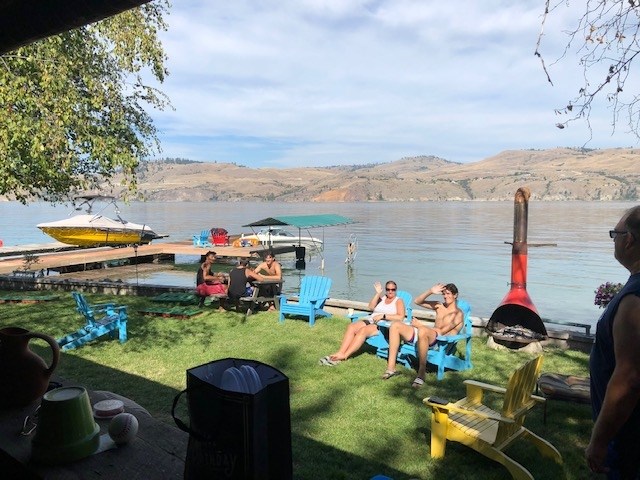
(271, 308)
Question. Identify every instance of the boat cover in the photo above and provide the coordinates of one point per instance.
(93, 221)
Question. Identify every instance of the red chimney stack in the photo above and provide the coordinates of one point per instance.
(516, 308)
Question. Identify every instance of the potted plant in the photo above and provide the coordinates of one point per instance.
(605, 293)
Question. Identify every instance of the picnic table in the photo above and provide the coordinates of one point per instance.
(252, 302)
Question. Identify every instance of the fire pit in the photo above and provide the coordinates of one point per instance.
(514, 326)
(516, 323)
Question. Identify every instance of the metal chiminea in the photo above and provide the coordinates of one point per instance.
(516, 323)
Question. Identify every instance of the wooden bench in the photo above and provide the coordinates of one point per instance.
(252, 302)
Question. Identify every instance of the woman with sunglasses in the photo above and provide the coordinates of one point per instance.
(385, 306)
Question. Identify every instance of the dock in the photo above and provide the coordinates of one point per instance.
(58, 256)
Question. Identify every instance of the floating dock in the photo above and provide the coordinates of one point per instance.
(58, 256)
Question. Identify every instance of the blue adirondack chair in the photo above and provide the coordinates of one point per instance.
(379, 341)
(444, 353)
(314, 291)
(202, 240)
(112, 322)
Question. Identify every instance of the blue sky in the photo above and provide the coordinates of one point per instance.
(289, 83)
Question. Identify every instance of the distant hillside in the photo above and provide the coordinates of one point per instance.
(557, 174)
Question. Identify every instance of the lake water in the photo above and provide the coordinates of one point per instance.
(415, 244)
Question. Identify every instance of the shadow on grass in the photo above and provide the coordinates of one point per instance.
(568, 425)
(308, 455)
(326, 442)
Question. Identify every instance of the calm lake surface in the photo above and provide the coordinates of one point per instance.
(415, 244)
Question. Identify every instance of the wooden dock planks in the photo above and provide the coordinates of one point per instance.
(80, 256)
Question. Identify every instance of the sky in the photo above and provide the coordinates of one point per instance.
(291, 83)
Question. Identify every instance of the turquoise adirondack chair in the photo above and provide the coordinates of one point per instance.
(379, 341)
(314, 291)
(202, 240)
(112, 323)
(444, 353)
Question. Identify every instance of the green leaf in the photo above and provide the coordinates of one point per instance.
(71, 117)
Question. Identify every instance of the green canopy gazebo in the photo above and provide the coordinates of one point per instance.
(302, 222)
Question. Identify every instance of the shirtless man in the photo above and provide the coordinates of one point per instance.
(449, 321)
(270, 269)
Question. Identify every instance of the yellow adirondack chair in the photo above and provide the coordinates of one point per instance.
(487, 431)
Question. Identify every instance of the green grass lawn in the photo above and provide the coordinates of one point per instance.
(347, 423)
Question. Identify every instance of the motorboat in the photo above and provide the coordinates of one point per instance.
(94, 229)
(279, 237)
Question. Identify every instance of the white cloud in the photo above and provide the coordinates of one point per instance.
(312, 82)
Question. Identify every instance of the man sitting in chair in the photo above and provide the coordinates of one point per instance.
(270, 269)
(449, 321)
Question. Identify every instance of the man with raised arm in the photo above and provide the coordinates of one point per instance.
(449, 321)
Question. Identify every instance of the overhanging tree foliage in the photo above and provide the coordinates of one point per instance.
(72, 111)
(607, 38)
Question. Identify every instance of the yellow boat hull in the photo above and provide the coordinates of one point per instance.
(85, 237)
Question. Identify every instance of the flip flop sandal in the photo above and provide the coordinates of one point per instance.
(418, 382)
(388, 374)
(327, 362)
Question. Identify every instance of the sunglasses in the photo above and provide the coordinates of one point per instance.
(391, 289)
(614, 233)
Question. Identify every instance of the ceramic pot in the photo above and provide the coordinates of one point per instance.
(24, 376)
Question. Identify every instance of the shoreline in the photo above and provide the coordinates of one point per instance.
(557, 337)
(469, 251)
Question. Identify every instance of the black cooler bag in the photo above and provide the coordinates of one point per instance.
(235, 435)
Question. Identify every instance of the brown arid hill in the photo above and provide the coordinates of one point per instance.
(557, 174)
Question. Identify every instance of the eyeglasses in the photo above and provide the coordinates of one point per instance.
(391, 289)
(614, 233)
